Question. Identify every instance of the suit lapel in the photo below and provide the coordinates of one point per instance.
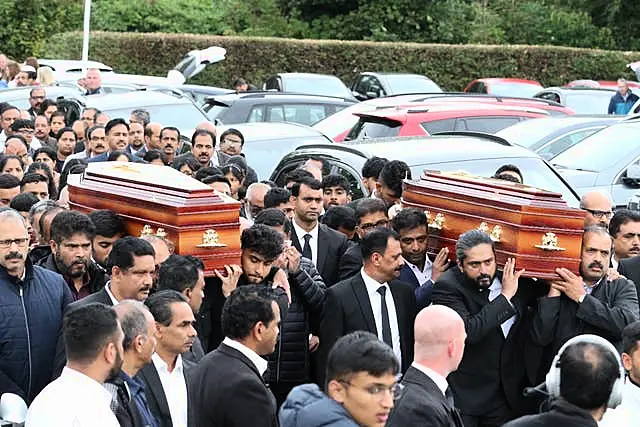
(362, 297)
(155, 389)
(401, 312)
(295, 241)
(323, 247)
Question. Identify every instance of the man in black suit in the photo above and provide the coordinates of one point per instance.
(165, 378)
(624, 228)
(426, 399)
(488, 383)
(315, 241)
(227, 386)
(372, 300)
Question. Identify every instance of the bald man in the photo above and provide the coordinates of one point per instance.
(254, 200)
(599, 208)
(151, 139)
(439, 345)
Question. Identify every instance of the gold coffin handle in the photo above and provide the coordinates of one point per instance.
(438, 222)
(210, 240)
(550, 243)
(495, 233)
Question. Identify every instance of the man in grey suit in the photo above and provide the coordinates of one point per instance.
(439, 345)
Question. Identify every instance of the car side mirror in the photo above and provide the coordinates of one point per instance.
(632, 176)
(372, 95)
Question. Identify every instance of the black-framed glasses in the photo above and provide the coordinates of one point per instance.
(21, 242)
(599, 214)
(370, 225)
(379, 391)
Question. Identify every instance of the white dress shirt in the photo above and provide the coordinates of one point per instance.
(175, 389)
(494, 292)
(440, 381)
(107, 288)
(72, 400)
(376, 306)
(614, 262)
(313, 241)
(423, 276)
(260, 363)
(627, 413)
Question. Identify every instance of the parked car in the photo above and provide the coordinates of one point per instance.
(272, 107)
(423, 119)
(64, 69)
(266, 143)
(551, 136)
(19, 96)
(480, 156)
(580, 99)
(504, 87)
(308, 83)
(377, 85)
(600, 84)
(608, 160)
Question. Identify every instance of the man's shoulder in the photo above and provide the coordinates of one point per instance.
(330, 232)
(631, 263)
(46, 274)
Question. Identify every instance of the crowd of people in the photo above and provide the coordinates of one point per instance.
(334, 316)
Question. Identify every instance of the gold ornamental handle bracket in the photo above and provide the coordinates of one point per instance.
(550, 243)
(147, 230)
(210, 240)
(438, 222)
(494, 234)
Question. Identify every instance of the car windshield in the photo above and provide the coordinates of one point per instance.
(317, 86)
(523, 90)
(214, 111)
(374, 129)
(181, 116)
(536, 173)
(588, 102)
(403, 83)
(529, 133)
(602, 149)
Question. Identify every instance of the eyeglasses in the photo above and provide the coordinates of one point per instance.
(38, 97)
(370, 225)
(22, 242)
(599, 214)
(232, 141)
(378, 391)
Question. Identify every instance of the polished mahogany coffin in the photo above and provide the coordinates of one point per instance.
(535, 226)
(162, 201)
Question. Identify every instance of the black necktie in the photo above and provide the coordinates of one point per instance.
(449, 396)
(386, 326)
(306, 249)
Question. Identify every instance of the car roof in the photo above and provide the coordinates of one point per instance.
(509, 80)
(308, 75)
(73, 66)
(260, 131)
(279, 96)
(120, 101)
(419, 108)
(565, 89)
(390, 73)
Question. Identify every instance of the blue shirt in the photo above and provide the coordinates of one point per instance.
(136, 390)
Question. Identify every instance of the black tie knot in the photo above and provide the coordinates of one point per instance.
(307, 237)
(382, 290)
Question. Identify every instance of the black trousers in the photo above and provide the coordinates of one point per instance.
(496, 418)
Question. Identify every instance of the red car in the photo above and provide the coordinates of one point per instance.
(600, 84)
(421, 119)
(504, 87)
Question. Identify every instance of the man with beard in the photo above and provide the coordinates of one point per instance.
(109, 228)
(66, 143)
(93, 341)
(589, 303)
(36, 96)
(336, 191)
(373, 300)
(33, 300)
(488, 384)
(117, 136)
(166, 377)
(169, 142)
(254, 200)
(389, 185)
(136, 138)
(71, 236)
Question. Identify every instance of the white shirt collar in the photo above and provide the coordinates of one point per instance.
(300, 232)
(161, 365)
(260, 364)
(614, 262)
(107, 288)
(372, 284)
(440, 381)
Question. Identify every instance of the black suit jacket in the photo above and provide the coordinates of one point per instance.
(630, 268)
(331, 246)
(157, 398)
(351, 261)
(493, 368)
(348, 309)
(101, 296)
(227, 390)
(422, 404)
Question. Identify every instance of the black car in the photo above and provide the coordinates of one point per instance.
(377, 85)
(272, 107)
(477, 155)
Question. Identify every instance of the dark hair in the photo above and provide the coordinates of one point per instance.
(373, 166)
(154, 154)
(393, 174)
(65, 130)
(177, 273)
(215, 178)
(186, 159)
(195, 261)
(5, 158)
(68, 223)
(471, 239)
(368, 206)
(8, 181)
(113, 156)
(141, 115)
(57, 114)
(206, 172)
(203, 132)
(107, 223)
(19, 138)
(160, 305)
(275, 197)
(22, 123)
(125, 249)
(87, 329)
(340, 216)
(630, 337)
(133, 323)
(357, 352)
(170, 128)
(309, 182)
(508, 168)
(239, 82)
(245, 307)
(620, 218)
(32, 178)
(234, 170)
(51, 183)
(113, 123)
(297, 175)
(45, 105)
(587, 374)
(232, 131)
(335, 180)
(264, 240)
(91, 129)
(273, 217)
(48, 151)
(376, 242)
(23, 202)
(507, 177)
(408, 219)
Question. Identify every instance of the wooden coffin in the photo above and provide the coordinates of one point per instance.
(160, 200)
(535, 226)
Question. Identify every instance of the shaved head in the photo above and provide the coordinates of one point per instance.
(598, 205)
(208, 126)
(439, 339)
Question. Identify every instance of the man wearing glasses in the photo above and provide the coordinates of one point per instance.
(599, 208)
(33, 301)
(36, 97)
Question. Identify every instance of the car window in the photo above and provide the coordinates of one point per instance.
(305, 114)
(588, 102)
(402, 83)
(333, 167)
(272, 83)
(363, 84)
(514, 89)
(486, 124)
(556, 147)
(256, 114)
(378, 129)
(317, 86)
(182, 116)
(436, 126)
(551, 96)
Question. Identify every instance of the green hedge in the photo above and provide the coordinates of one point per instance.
(451, 66)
